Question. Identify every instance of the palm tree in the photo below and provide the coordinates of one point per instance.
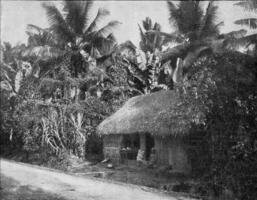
(72, 43)
(196, 32)
(73, 34)
(42, 44)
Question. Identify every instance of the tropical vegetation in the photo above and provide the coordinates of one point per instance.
(251, 39)
(58, 87)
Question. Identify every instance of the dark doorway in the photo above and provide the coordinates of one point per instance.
(149, 145)
(130, 146)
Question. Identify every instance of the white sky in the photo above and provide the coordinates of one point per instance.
(15, 15)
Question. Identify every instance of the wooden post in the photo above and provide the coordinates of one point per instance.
(141, 151)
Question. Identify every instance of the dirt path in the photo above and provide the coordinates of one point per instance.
(73, 187)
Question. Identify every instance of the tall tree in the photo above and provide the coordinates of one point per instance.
(73, 33)
(196, 32)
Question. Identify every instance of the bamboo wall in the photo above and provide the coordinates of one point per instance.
(171, 151)
(112, 146)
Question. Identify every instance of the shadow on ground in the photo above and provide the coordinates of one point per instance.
(12, 190)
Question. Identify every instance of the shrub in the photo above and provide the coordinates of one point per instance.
(224, 88)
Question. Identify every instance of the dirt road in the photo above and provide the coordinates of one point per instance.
(73, 187)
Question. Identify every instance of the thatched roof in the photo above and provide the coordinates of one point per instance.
(158, 113)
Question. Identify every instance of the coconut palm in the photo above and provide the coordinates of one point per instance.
(249, 5)
(72, 43)
(196, 32)
(72, 33)
(42, 44)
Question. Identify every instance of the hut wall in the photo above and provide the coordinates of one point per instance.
(112, 146)
(143, 142)
(171, 151)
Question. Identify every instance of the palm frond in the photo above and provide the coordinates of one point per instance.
(250, 22)
(39, 36)
(87, 6)
(43, 52)
(231, 40)
(208, 26)
(244, 41)
(77, 14)
(73, 16)
(101, 14)
(249, 5)
(126, 46)
(235, 34)
(251, 39)
(248, 40)
(37, 29)
(111, 37)
(105, 45)
(58, 23)
(186, 11)
(173, 53)
(173, 14)
(205, 18)
(193, 55)
(219, 24)
(171, 37)
(107, 29)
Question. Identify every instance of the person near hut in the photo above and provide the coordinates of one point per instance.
(140, 157)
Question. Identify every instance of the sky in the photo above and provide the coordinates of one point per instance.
(15, 15)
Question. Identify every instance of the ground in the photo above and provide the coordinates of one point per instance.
(13, 190)
(132, 173)
(27, 182)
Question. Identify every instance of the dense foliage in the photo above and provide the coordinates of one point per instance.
(69, 77)
(56, 91)
(224, 88)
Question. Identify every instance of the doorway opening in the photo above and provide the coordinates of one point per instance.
(130, 146)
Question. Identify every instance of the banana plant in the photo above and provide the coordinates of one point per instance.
(12, 77)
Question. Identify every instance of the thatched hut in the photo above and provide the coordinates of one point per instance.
(149, 121)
